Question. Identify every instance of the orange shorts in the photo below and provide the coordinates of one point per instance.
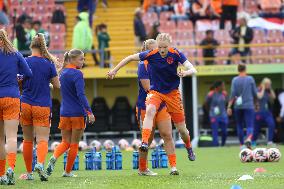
(173, 103)
(69, 123)
(162, 115)
(9, 108)
(35, 115)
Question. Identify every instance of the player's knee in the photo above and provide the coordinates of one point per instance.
(151, 111)
(178, 118)
(166, 136)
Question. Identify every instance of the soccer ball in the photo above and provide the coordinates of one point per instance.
(273, 155)
(161, 143)
(83, 145)
(123, 144)
(246, 155)
(95, 144)
(54, 145)
(108, 144)
(260, 155)
(21, 147)
(136, 143)
(153, 144)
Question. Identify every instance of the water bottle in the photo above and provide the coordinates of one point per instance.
(34, 159)
(109, 162)
(135, 161)
(89, 161)
(76, 164)
(98, 161)
(118, 161)
(155, 160)
(163, 159)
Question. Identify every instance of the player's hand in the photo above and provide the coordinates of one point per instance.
(181, 73)
(229, 111)
(20, 77)
(111, 74)
(50, 86)
(92, 118)
(279, 119)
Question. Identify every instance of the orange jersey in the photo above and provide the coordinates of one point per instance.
(216, 5)
(231, 2)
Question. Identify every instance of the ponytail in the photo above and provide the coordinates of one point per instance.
(70, 55)
(8, 47)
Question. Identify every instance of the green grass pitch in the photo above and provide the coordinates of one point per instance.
(215, 168)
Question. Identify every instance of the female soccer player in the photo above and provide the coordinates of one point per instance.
(36, 104)
(12, 63)
(73, 111)
(163, 63)
(216, 101)
(265, 95)
(162, 119)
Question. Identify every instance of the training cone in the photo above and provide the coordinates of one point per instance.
(236, 187)
(246, 177)
(259, 170)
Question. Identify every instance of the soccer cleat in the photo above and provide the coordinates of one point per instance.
(248, 143)
(68, 175)
(3, 180)
(50, 166)
(147, 172)
(10, 176)
(26, 176)
(191, 154)
(144, 147)
(174, 171)
(39, 169)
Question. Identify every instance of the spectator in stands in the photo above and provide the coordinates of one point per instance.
(4, 10)
(181, 10)
(202, 9)
(229, 12)
(271, 8)
(103, 39)
(264, 115)
(82, 34)
(87, 6)
(154, 32)
(58, 16)
(241, 35)
(243, 95)
(156, 5)
(209, 45)
(139, 28)
(23, 35)
(38, 29)
(216, 102)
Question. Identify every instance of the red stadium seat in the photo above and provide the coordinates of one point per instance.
(46, 2)
(57, 28)
(165, 16)
(168, 26)
(276, 54)
(15, 3)
(257, 55)
(184, 26)
(150, 17)
(29, 3)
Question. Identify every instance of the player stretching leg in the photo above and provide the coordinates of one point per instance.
(163, 63)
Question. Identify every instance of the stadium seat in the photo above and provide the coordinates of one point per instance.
(101, 112)
(15, 3)
(121, 115)
(57, 28)
(276, 54)
(55, 116)
(46, 2)
(184, 26)
(167, 26)
(150, 17)
(165, 16)
(257, 55)
(29, 3)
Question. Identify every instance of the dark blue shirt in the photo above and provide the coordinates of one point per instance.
(163, 71)
(217, 103)
(74, 102)
(264, 102)
(11, 65)
(36, 89)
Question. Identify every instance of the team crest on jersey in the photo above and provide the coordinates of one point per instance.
(170, 60)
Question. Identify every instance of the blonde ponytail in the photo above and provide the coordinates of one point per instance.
(38, 42)
(147, 43)
(70, 55)
(8, 47)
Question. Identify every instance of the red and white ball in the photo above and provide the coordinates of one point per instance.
(153, 144)
(260, 155)
(123, 144)
(83, 145)
(108, 144)
(246, 155)
(136, 143)
(96, 144)
(54, 145)
(273, 155)
(21, 147)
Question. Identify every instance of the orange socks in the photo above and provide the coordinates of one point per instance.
(142, 164)
(172, 160)
(60, 149)
(187, 143)
(71, 157)
(2, 167)
(11, 157)
(42, 149)
(28, 154)
(146, 135)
